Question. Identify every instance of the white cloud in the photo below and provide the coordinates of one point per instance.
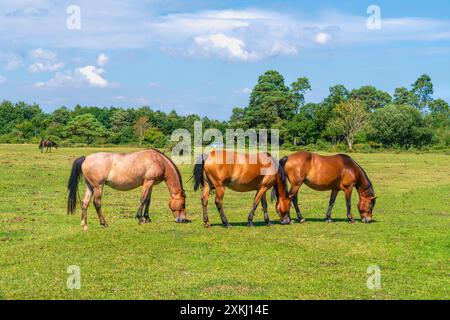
(223, 45)
(46, 61)
(45, 67)
(242, 34)
(153, 84)
(102, 59)
(90, 76)
(3, 80)
(322, 38)
(93, 76)
(40, 53)
(11, 61)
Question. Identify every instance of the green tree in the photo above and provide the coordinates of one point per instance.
(299, 89)
(403, 96)
(86, 128)
(371, 97)
(401, 126)
(351, 118)
(270, 99)
(423, 90)
(139, 128)
(155, 137)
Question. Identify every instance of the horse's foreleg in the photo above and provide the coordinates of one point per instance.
(205, 196)
(293, 194)
(146, 188)
(84, 206)
(258, 196)
(98, 204)
(147, 205)
(264, 206)
(331, 204)
(348, 201)
(220, 191)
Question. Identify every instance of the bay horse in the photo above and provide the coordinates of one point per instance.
(124, 172)
(335, 173)
(239, 172)
(47, 144)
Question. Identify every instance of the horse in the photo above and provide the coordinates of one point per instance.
(47, 144)
(336, 173)
(124, 172)
(239, 172)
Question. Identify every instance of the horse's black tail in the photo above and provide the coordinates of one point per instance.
(198, 172)
(283, 175)
(72, 186)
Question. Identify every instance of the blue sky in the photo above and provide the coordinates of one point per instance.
(205, 56)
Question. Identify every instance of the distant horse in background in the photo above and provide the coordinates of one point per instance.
(47, 144)
(125, 172)
(216, 171)
(335, 173)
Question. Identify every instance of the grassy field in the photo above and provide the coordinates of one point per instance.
(410, 240)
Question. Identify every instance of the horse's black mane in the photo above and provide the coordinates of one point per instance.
(371, 190)
(176, 168)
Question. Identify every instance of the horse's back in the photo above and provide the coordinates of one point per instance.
(240, 171)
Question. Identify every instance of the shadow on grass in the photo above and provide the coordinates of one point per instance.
(263, 224)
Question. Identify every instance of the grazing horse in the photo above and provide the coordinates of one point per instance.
(239, 172)
(125, 172)
(47, 144)
(335, 173)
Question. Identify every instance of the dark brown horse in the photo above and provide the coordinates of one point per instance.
(47, 144)
(239, 172)
(335, 173)
(125, 172)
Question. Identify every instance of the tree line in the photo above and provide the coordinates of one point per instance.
(364, 117)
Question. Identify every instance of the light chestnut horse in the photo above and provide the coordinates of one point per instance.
(335, 173)
(125, 172)
(239, 172)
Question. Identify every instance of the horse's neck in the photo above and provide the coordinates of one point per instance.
(364, 186)
(282, 191)
(172, 178)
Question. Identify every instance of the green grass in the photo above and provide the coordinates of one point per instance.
(410, 240)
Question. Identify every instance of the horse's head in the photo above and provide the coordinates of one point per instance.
(283, 205)
(365, 206)
(177, 204)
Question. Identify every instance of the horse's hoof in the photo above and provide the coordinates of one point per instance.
(250, 224)
(227, 225)
(328, 221)
(141, 222)
(85, 228)
(148, 220)
(301, 220)
(269, 224)
(207, 225)
(351, 221)
(105, 225)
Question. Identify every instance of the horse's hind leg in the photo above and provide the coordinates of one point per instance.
(331, 204)
(84, 206)
(258, 196)
(147, 205)
(220, 191)
(146, 188)
(98, 204)
(264, 206)
(294, 195)
(205, 196)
